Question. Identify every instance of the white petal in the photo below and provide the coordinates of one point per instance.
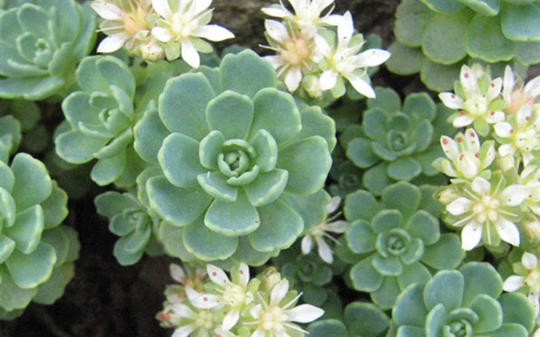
(524, 115)
(293, 78)
(480, 185)
(279, 291)
(213, 33)
(345, 29)
(107, 10)
(333, 205)
(324, 250)
(472, 141)
(162, 7)
(494, 89)
(508, 231)
(177, 273)
(243, 270)
(307, 244)
(508, 83)
(183, 311)
(202, 301)
(471, 235)
(337, 227)
(449, 147)
(217, 275)
(459, 206)
(190, 55)
(361, 86)
(328, 80)
(451, 100)
(372, 58)
(200, 6)
(506, 149)
(533, 87)
(276, 30)
(112, 43)
(514, 195)
(277, 12)
(332, 20)
(462, 121)
(231, 319)
(468, 80)
(322, 45)
(513, 283)
(162, 34)
(503, 129)
(529, 261)
(258, 333)
(495, 117)
(275, 60)
(468, 165)
(256, 311)
(184, 331)
(304, 313)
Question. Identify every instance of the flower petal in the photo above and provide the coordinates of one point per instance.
(513, 283)
(508, 231)
(184, 331)
(449, 147)
(231, 319)
(183, 311)
(462, 121)
(177, 273)
(213, 33)
(190, 55)
(459, 206)
(162, 34)
(162, 7)
(529, 261)
(514, 195)
(244, 274)
(495, 117)
(338, 227)
(480, 185)
(468, 80)
(372, 58)
(112, 43)
(328, 80)
(307, 244)
(276, 12)
(217, 275)
(278, 292)
(345, 29)
(494, 89)
(361, 85)
(471, 235)
(293, 78)
(304, 313)
(276, 30)
(107, 10)
(451, 100)
(533, 87)
(324, 250)
(202, 301)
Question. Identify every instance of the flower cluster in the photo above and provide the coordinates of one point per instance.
(494, 192)
(262, 306)
(158, 29)
(317, 54)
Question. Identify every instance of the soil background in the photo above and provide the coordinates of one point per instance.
(107, 300)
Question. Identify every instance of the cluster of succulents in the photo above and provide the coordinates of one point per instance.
(436, 37)
(238, 162)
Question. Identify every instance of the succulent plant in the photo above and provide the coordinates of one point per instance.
(236, 160)
(42, 42)
(399, 142)
(464, 302)
(130, 220)
(101, 117)
(359, 319)
(398, 240)
(36, 252)
(435, 37)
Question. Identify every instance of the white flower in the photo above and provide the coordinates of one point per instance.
(530, 178)
(296, 51)
(483, 210)
(466, 157)
(184, 29)
(345, 61)
(275, 318)
(529, 280)
(306, 13)
(517, 95)
(479, 104)
(125, 23)
(234, 295)
(318, 233)
(520, 134)
(193, 320)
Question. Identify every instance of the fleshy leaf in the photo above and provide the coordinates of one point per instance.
(445, 287)
(206, 244)
(235, 218)
(231, 114)
(365, 277)
(179, 159)
(267, 187)
(32, 182)
(30, 270)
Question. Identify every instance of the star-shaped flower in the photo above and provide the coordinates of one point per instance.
(276, 318)
(344, 60)
(307, 13)
(321, 231)
(527, 281)
(184, 28)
